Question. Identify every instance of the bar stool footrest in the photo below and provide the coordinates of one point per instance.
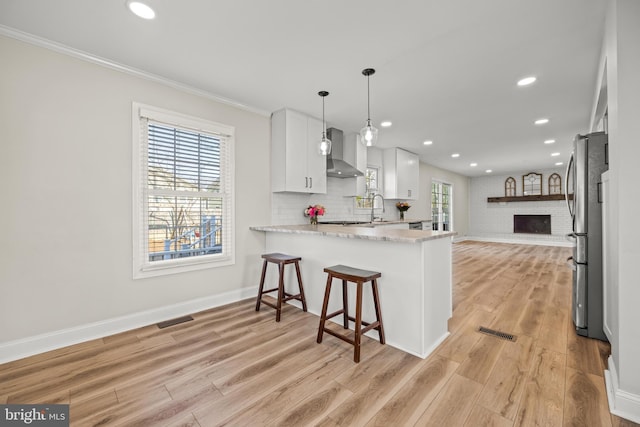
(342, 337)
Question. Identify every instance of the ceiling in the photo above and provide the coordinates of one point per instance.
(446, 71)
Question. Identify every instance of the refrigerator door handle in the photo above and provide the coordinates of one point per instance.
(566, 180)
(571, 264)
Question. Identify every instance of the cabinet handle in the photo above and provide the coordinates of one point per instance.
(409, 193)
(310, 182)
(306, 182)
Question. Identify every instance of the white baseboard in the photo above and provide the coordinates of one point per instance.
(18, 349)
(515, 241)
(621, 403)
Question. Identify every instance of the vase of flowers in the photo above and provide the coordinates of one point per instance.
(402, 207)
(313, 212)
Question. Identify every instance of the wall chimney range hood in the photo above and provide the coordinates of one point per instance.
(337, 166)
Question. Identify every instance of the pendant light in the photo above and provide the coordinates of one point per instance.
(324, 146)
(368, 134)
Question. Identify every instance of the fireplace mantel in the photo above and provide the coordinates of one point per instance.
(537, 198)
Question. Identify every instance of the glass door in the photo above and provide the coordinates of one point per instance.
(441, 209)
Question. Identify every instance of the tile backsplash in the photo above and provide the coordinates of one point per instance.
(287, 208)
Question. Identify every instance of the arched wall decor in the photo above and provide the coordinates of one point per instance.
(510, 187)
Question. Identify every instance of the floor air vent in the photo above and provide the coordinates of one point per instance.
(176, 321)
(498, 334)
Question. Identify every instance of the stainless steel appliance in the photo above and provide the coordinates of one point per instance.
(587, 163)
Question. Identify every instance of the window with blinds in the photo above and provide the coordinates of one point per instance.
(183, 191)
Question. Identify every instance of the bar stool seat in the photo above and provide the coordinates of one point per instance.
(357, 276)
(281, 260)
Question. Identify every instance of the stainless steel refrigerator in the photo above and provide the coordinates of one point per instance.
(584, 169)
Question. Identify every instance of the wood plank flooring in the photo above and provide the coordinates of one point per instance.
(234, 366)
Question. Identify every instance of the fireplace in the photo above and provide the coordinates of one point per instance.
(532, 224)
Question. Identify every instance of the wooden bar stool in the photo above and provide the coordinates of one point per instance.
(281, 260)
(357, 276)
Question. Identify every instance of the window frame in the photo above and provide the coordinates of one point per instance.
(363, 203)
(142, 267)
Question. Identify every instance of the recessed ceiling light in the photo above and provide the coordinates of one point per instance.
(454, 155)
(555, 154)
(140, 9)
(550, 141)
(427, 143)
(473, 165)
(386, 124)
(541, 121)
(526, 81)
(558, 163)
(488, 171)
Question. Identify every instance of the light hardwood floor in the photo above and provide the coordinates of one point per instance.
(234, 366)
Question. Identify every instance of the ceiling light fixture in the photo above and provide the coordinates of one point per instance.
(454, 155)
(550, 141)
(488, 171)
(555, 154)
(473, 165)
(427, 142)
(558, 163)
(141, 10)
(369, 134)
(526, 81)
(386, 124)
(324, 146)
(541, 121)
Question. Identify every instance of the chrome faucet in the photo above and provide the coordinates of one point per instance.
(373, 198)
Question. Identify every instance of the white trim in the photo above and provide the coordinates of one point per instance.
(140, 115)
(621, 403)
(18, 349)
(107, 63)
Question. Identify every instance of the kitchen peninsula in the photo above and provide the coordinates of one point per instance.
(415, 287)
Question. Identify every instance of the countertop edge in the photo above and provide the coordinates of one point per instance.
(368, 233)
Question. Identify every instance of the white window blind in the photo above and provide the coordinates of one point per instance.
(183, 193)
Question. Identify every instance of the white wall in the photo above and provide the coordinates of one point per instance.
(460, 185)
(494, 221)
(65, 186)
(620, 52)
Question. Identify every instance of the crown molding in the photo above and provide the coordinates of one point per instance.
(85, 56)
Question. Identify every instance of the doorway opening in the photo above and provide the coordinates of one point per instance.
(441, 206)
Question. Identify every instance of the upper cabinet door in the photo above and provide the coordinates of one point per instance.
(316, 162)
(408, 171)
(401, 174)
(296, 165)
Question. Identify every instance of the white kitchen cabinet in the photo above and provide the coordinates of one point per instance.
(296, 165)
(401, 172)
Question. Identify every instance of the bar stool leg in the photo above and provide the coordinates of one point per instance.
(280, 292)
(325, 304)
(345, 305)
(264, 271)
(358, 326)
(376, 302)
(303, 299)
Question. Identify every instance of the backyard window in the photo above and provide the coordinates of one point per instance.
(183, 193)
(371, 188)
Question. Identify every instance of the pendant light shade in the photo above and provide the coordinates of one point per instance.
(369, 133)
(324, 145)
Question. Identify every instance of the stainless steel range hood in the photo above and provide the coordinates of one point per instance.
(337, 166)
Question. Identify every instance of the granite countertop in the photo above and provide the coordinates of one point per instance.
(359, 232)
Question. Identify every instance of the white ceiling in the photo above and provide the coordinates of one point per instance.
(446, 70)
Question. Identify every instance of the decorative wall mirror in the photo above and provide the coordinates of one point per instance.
(555, 184)
(510, 187)
(532, 184)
